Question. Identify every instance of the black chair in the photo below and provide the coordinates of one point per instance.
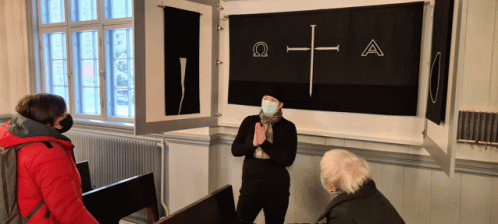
(216, 208)
(113, 202)
(86, 182)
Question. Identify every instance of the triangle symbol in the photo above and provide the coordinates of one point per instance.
(373, 48)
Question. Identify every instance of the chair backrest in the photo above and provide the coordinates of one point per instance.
(113, 202)
(216, 208)
(86, 182)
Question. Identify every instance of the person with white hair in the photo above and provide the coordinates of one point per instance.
(355, 198)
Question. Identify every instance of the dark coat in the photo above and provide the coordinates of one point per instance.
(366, 206)
(282, 151)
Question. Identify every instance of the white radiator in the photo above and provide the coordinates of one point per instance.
(477, 127)
(113, 158)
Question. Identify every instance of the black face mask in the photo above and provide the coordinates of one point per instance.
(66, 124)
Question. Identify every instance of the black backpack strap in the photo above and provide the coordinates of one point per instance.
(35, 210)
(47, 214)
(48, 145)
(17, 147)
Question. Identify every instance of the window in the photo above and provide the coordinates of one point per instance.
(86, 72)
(119, 64)
(86, 56)
(55, 68)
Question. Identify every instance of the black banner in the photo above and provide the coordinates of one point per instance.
(361, 59)
(181, 47)
(440, 59)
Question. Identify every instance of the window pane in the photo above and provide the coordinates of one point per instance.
(86, 72)
(60, 91)
(114, 9)
(92, 99)
(83, 10)
(58, 70)
(55, 64)
(120, 73)
(52, 11)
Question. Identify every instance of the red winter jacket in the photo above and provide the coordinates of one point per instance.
(44, 173)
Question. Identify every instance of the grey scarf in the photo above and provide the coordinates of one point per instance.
(267, 123)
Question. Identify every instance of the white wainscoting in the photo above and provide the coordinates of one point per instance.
(414, 184)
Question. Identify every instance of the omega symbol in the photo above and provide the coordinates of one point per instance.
(256, 51)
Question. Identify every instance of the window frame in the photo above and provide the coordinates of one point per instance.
(104, 68)
(40, 25)
(87, 22)
(71, 73)
(101, 25)
(41, 55)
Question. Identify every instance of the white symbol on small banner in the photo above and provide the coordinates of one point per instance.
(256, 52)
(437, 63)
(372, 48)
(313, 48)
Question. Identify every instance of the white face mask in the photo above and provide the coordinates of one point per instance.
(269, 107)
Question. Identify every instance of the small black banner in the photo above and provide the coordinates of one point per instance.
(181, 47)
(360, 59)
(440, 59)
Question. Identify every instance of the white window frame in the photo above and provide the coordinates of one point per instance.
(68, 27)
(99, 19)
(41, 56)
(104, 68)
(71, 77)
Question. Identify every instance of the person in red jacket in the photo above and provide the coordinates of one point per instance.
(47, 176)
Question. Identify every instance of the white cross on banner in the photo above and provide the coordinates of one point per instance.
(312, 49)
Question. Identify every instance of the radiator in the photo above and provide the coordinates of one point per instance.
(477, 127)
(113, 158)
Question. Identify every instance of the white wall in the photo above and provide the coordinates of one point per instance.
(480, 82)
(14, 67)
(480, 79)
(4, 76)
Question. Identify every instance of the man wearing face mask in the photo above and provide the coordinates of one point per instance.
(48, 182)
(269, 143)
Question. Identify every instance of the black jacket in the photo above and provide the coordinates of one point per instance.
(366, 206)
(282, 151)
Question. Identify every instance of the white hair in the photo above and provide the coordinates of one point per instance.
(344, 170)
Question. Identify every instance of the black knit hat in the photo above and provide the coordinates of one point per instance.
(275, 93)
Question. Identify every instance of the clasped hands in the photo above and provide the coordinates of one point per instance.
(259, 134)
